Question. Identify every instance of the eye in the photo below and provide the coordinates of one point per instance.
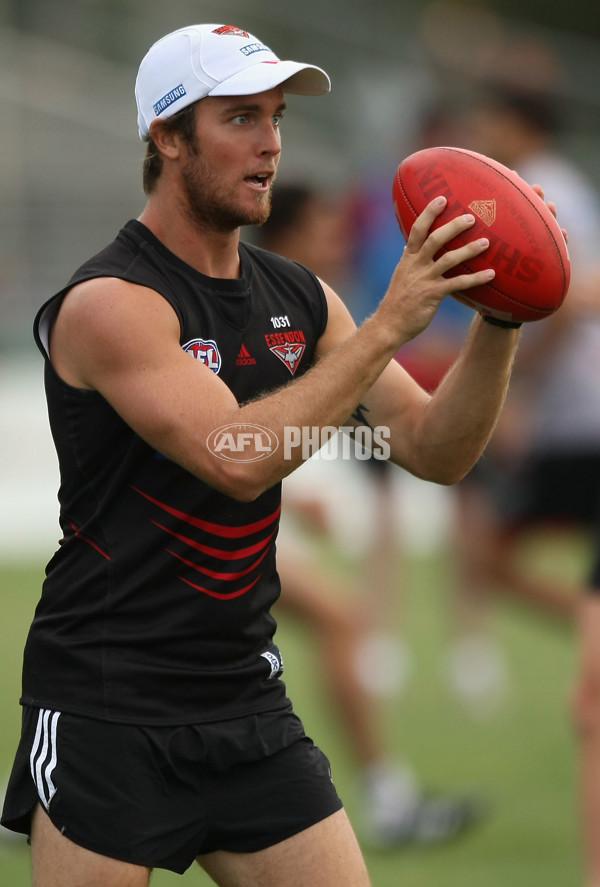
(240, 119)
(277, 118)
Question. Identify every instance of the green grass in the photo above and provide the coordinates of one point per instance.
(522, 760)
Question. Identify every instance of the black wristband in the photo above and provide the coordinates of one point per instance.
(507, 324)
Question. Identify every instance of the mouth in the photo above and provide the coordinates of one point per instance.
(260, 181)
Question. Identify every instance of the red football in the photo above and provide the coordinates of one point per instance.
(527, 248)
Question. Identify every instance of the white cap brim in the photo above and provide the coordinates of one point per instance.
(295, 77)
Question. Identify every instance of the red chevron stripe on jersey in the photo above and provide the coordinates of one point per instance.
(216, 558)
(217, 529)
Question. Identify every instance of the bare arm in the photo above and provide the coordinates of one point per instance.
(439, 437)
(174, 402)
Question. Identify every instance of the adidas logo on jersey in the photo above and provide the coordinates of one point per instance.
(244, 357)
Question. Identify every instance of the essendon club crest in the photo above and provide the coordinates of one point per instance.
(231, 30)
(289, 354)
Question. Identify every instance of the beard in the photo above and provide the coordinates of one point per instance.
(210, 206)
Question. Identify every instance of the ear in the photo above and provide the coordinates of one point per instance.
(167, 140)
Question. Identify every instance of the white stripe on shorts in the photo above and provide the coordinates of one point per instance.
(43, 752)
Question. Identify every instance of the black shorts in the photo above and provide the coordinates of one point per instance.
(160, 796)
(560, 488)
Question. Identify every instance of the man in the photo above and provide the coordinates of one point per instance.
(156, 730)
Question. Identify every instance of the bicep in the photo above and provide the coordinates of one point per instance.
(123, 341)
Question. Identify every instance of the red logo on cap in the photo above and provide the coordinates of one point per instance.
(231, 30)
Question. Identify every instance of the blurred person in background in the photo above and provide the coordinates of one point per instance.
(474, 664)
(156, 729)
(586, 714)
(542, 467)
(543, 463)
(348, 618)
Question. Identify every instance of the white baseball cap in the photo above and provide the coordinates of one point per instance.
(214, 60)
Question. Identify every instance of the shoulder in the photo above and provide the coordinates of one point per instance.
(102, 305)
(102, 320)
(276, 263)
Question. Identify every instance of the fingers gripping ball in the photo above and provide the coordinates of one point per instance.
(527, 248)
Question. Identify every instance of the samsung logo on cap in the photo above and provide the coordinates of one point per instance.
(249, 48)
(177, 93)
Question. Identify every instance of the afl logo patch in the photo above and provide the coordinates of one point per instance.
(206, 351)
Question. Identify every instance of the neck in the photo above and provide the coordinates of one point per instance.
(213, 253)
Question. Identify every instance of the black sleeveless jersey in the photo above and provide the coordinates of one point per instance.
(156, 606)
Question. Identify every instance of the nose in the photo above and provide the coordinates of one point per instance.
(270, 144)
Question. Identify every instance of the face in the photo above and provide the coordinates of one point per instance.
(228, 174)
